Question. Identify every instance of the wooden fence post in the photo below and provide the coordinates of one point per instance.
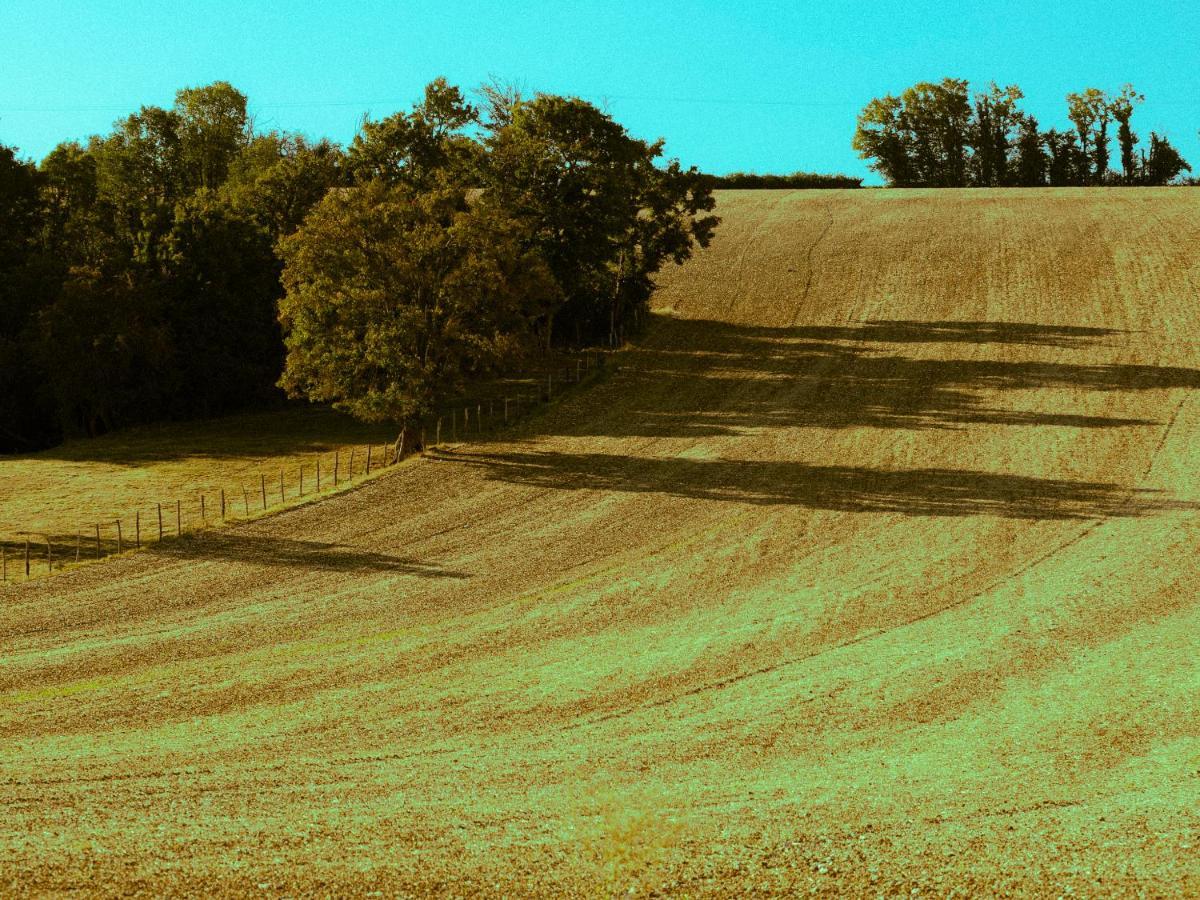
(222, 504)
(78, 542)
(26, 556)
(246, 500)
(282, 495)
(302, 479)
(263, 483)
(453, 425)
(350, 466)
(137, 529)
(368, 459)
(97, 541)
(49, 555)
(160, 528)
(335, 469)
(119, 541)
(178, 518)
(437, 439)
(203, 511)
(318, 474)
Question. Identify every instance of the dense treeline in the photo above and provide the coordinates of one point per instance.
(794, 181)
(142, 274)
(939, 135)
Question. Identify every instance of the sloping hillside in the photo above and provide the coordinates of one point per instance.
(872, 568)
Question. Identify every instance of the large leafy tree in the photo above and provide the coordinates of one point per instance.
(880, 137)
(213, 128)
(595, 206)
(920, 137)
(394, 297)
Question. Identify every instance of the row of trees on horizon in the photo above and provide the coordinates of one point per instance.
(940, 135)
(188, 265)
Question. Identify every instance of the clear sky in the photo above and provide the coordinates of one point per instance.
(734, 84)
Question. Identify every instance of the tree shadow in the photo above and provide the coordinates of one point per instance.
(694, 378)
(285, 553)
(910, 331)
(298, 429)
(914, 492)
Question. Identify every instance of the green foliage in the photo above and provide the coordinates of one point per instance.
(1164, 164)
(1030, 165)
(920, 137)
(1122, 107)
(395, 296)
(598, 210)
(793, 181)
(930, 136)
(278, 178)
(421, 147)
(993, 135)
(22, 419)
(147, 283)
(140, 274)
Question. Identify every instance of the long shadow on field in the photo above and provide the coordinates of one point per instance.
(915, 492)
(285, 553)
(697, 378)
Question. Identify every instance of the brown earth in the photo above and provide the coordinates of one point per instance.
(870, 569)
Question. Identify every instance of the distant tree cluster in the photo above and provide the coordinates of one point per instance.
(143, 275)
(794, 181)
(940, 135)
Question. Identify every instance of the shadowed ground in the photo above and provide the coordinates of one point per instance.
(869, 568)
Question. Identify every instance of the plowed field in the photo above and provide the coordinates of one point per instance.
(871, 566)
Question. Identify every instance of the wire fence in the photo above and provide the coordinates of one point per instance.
(29, 554)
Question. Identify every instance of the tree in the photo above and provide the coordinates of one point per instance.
(921, 137)
(278, 178)
(220, 283)
(1090, 112)
(879, 137)
(1068, 163)
(106, 350)
(937, 119)
(395, 296)
(213, 127)
(420, 147)
(1031, 157)
(69, 197)
(1164, 164)
(594, 204)
(993, 132)
(23, 421)
(1122, 107)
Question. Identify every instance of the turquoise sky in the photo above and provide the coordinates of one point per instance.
(731, 85)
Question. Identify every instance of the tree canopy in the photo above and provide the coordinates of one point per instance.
(937, 135)
(187, 264)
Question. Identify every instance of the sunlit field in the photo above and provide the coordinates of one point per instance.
(869, 567)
